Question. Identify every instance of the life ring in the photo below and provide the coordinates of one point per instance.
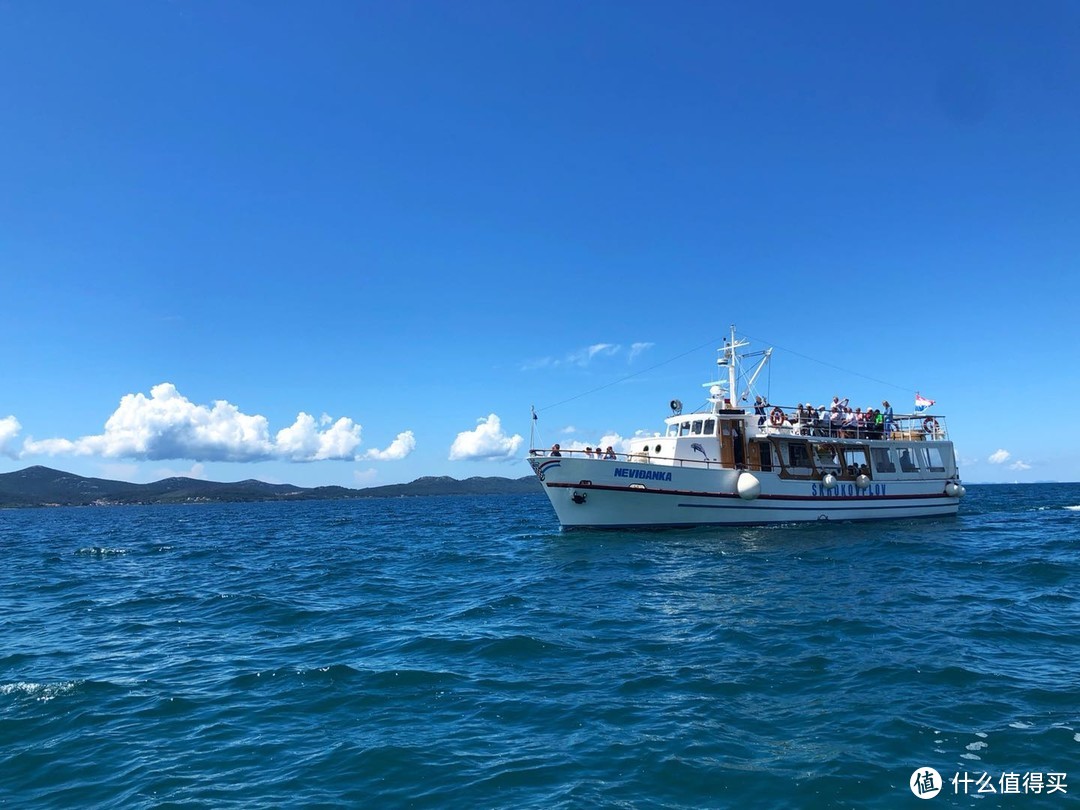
(930, 425)
(776, 418)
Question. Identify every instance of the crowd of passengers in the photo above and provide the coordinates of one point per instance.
(608, 454)
(839, 420)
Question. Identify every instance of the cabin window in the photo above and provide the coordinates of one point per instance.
(673, 430)
(855, 461)
(937, 461)
(825, 456)
(883, 460)
(696, 428)
(710, 427)
(799, 463)
(797, 455)
(908, 462)
(684, 428)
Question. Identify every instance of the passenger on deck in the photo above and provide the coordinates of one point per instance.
(888, 420)
(879, 424)
(759, 408)
(588, 452)
(555, 450)
(609, 454)
(847, 423)
(836, 415)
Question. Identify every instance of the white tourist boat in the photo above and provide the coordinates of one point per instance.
(729, 465)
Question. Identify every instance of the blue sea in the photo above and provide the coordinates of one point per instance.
(465, 653)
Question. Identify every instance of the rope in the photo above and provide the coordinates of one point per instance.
(828, 365)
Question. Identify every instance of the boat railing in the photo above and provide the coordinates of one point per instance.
(636, 458)
(781, 420)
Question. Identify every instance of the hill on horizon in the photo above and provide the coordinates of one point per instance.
(44, 486)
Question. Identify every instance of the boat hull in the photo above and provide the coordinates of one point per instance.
(595, 493)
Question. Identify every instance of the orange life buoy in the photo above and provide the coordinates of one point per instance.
(776, 417)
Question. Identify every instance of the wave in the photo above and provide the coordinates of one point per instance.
(100, 551)
(1073, 508)
(43, 692)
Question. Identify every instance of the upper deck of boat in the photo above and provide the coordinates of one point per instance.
(786, 422)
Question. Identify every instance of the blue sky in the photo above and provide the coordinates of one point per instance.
(409, 222)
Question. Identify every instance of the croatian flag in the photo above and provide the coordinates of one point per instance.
(922, 403)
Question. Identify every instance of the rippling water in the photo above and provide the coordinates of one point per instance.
(462, 652)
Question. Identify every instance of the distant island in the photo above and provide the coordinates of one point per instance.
(42, 486)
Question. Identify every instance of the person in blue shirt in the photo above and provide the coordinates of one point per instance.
(759, 408)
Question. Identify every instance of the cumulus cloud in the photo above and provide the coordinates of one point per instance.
(9, 432)
(486, 442)
(1019, 465)
(612, 440)
(400, 447)
(999, 456)
(304, 441)
(167, 425)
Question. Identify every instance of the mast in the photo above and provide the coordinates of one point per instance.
(732, 372)
(730, 358)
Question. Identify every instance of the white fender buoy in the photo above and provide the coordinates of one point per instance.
(748, 486)
(963, 490)
(829, 481)
(952, 490)
(863, 481)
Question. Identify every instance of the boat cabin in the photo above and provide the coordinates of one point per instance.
(733, 439)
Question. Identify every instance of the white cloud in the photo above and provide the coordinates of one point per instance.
(9, 431)
(612, 440)
(197, 471)
(486, 442)
(1019, 465)
(999, 457)
(167, 425)
(583, 357)
(366, 477)
(400, 447)
(303, 441)
(603, 349)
